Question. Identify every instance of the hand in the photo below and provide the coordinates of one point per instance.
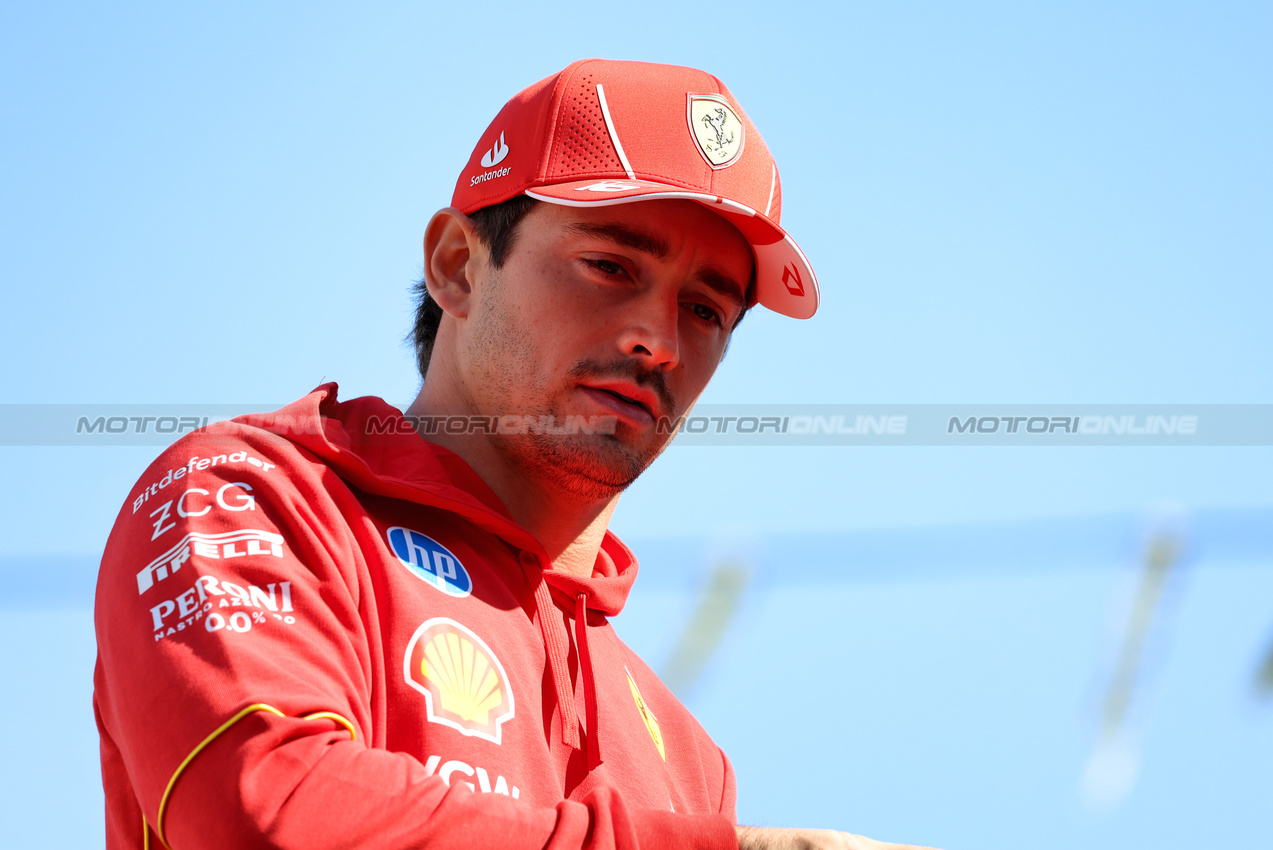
(766, 838)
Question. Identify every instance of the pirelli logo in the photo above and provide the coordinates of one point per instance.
(242, 543)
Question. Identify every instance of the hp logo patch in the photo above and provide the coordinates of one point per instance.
(429, 560)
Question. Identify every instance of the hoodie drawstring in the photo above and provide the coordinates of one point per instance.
(589, 682)
(557, 653)
(557, 646)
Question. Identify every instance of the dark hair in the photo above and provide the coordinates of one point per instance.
(496, 227)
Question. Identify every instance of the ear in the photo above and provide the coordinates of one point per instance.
(452, 253)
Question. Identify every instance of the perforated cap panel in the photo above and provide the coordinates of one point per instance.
(584, 147)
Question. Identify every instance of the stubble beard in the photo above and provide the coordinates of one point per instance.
(581, 465)
(586, 467)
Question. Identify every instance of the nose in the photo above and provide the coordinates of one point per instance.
(650, 334)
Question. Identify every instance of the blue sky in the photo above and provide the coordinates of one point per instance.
(1005, 204)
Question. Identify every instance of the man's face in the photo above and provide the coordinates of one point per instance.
(621, 312)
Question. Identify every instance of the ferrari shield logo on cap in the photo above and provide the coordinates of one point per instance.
(716, 129)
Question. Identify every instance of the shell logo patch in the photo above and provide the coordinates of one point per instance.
(464, 684)
(647, 716)
(429, 560)
(716, 129)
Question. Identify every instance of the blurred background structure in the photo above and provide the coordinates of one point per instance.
(982, 647)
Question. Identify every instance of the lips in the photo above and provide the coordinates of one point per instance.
(625, 398)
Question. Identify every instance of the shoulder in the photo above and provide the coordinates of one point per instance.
(227, 466)
(228, 491)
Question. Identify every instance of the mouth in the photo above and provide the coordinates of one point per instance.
(625, 399)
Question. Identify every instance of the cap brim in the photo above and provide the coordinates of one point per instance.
(785, 282)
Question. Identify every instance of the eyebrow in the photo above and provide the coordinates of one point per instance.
(628, 237)
(713, 277)
(723, 285)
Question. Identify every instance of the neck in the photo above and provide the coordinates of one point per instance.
(569, 527)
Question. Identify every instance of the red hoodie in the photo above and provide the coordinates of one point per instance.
(316, 629)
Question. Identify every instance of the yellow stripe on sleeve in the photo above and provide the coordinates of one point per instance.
(331, 715)
(251, 709)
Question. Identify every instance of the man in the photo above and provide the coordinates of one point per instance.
(318, 629)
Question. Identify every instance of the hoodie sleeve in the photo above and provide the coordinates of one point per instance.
(235, 678)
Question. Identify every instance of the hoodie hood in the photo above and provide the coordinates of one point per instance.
(372, 446)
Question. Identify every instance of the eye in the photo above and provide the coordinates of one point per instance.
(706, 313)
(610, 268)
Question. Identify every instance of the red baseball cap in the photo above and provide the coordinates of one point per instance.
(604, 132)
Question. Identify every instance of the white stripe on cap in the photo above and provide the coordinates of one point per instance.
(773, 184)
(614, 137)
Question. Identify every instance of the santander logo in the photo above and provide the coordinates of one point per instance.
(496, 154)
